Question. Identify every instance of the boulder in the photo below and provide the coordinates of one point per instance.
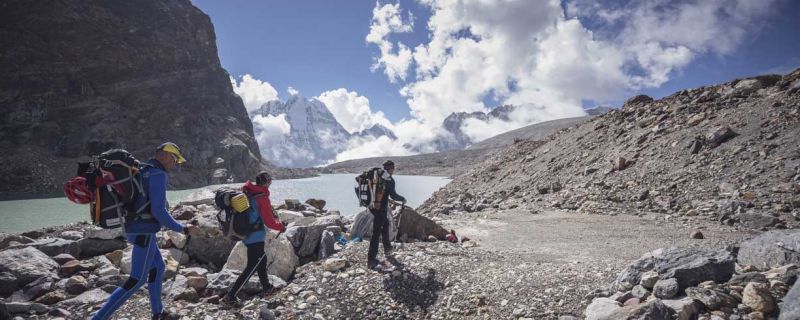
(326, 243)
(71, 235)
(52, 297)
(649, 279)
(27, 264)
(712, 299)
(115, 257)
(293, 204)
(319, 204)
(8, 284)
(601, 309)
(194, 272)
(640, 292)
(334, 264)
(55, 246)
(63, 258)
(757, 296)
(666, 288)
(313, 234)
(209, 245)
(76, 285)
(688, 265)
(684, 309)
(127, 255)
(91, 247)
(747, 87)
(35, 289)
(104, 234)
(288, 216)
(652, 310)
(417, 226)
(25, 307)
(281, 259)
(719, 135)
(757, 220)
(89, 298)
(295, 234)
(6, 238)
(771, 249)
(790, 308)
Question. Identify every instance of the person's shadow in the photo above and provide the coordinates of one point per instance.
(413, 290)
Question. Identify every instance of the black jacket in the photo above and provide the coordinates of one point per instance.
(389, 191)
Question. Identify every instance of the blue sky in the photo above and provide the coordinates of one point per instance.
(315, 46)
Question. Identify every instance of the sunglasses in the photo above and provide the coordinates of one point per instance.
(174, 157)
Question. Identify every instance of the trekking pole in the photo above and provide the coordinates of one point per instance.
(263, 255)
(178, 269)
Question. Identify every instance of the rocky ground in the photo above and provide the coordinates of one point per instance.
(728, 151)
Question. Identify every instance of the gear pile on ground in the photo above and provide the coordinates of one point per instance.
(729, 152)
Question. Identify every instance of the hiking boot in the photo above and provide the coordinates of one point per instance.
(382, 268)
(388, 252)
(268, 291)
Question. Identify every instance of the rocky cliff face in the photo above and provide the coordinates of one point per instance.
(727, 152)
(79, 77)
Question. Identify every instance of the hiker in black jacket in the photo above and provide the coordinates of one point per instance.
(380, 225)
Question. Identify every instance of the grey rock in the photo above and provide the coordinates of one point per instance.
(652, 310)
(63, 258)
(601, 309)
(712, 299)
(264, 313)
(666, 288)
(771, 249)
(55, 246)
(745, 278)
(281, 257)
(719, 135)
(8, 284)
(91, 297)
(295, 235)
(747, 87)
(6, 238)
(27, 264)
(689, 266)
(640, 292)
(417, 226)
(91, 247)
(293, 204)
(208, 245)
(25, 307)
(684, 309)
(71, 235)
(649, 279)
(313, 233)
(757, 221)
(790, 307)
(104, 234)
(35, 289)
(326, 243)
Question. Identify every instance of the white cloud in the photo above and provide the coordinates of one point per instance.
(387, 19)
(253, 92)
(270, 129)
(540, 55)
(292, 91)
(372, 147)
(352, 110)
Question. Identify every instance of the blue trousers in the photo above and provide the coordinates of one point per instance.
(146, 265)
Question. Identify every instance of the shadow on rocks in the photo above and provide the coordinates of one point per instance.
(413, 290)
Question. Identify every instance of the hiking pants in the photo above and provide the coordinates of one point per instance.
(146, 265)
(380, 232)
(256, 262)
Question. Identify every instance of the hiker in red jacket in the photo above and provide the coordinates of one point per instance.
(258, 194)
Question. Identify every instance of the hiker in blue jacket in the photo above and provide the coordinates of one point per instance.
(147, 264)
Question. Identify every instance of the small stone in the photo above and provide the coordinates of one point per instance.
(312, 299)
(334, 264)
(756, 295)
(697, 235)
(76, 285)
(197, 283)
(666, 289)
(649, 279)
(640, 292)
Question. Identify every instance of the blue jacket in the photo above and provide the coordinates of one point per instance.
(154, 182)
(255, 217)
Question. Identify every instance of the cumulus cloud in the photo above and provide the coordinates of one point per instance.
(547, 56)
(292, 91)
(365, 147)
(253, 92)
(269, 132)
(352, 110)
(387, 19)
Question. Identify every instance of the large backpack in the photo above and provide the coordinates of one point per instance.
(112, 181)
(370, 188)
(234, 214)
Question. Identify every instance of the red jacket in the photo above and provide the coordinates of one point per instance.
(264, 205)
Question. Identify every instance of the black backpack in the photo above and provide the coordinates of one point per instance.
(370, 188)
(234, 225)
(114, 180)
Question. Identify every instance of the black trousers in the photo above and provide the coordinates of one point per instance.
(255, 263)
(380, 232)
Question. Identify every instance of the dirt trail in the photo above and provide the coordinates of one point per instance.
(556, 236)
